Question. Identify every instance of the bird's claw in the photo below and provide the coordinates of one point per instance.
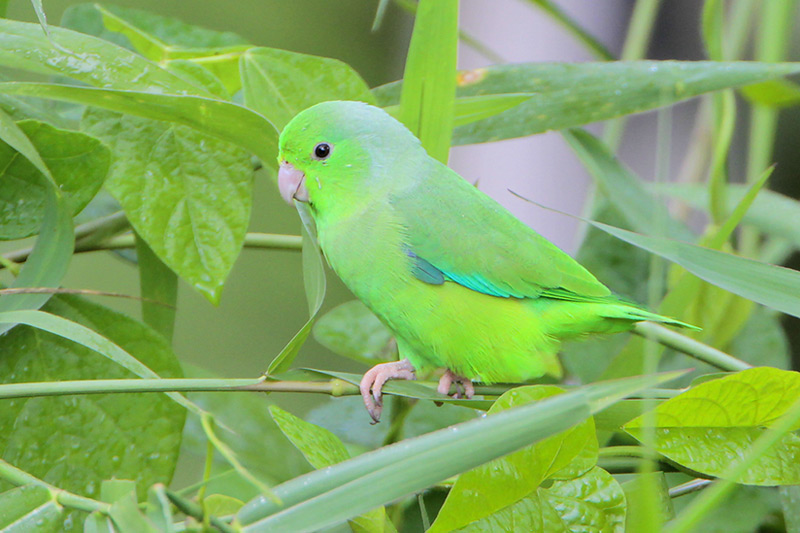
(375, 378)
(463, 386)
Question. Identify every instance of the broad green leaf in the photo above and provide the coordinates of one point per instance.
(493, 486)
(223, 120)
(315, 286)
(279, 84)
(426, 100)
(643, 211)
(774, 286)
(330, 496)
(592, 502)
(353, 331)
(191, 206)
(771, 212)
(221, 505)
(76, 442)
(84, 58)
(583, 36)
(712, 425)
(78, 163)
(29, 508)
(322, 449)
(575, 94)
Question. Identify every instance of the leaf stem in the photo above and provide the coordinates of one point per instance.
(18, 477)
(691, 347)
(195, 511)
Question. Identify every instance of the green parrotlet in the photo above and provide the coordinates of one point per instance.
(461, 282)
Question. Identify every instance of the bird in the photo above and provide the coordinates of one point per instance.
(461, 283)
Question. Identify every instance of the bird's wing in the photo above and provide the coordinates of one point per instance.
(454, 232)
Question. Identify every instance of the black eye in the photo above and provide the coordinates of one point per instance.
(322, 151)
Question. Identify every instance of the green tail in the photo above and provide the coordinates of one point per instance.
(628, 312)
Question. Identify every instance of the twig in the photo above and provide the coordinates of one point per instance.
(691, 347)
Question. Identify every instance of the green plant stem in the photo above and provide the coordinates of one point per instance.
(269, 241)
(689, 487)
(771, 46)
(691, 347)
(687, 521)
(18, 477)
(635, 47)
(192, 509)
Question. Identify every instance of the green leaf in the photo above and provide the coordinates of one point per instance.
(473, 108)
(78, 164)
(493, 486)
(163, 39)
(592, 502)
(774, 93)
(279, 84)
(319, 446)
(76, 442)
(224, 120)
(48, 262)
(774, 286)
(637, 491)
(315, 286)
(18, 141)
(353, 331)
(84, 58)
(575, 94)
(124, 512)
(158, 286)
(746, 510)
(713, 425)
(191, 206)
(29, 508)
(322, 448)
(429, 87)
(159, 509)
(330, 496)
(771, 212)
(626, 192)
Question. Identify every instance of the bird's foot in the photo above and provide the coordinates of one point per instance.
(464, 386)
(375, 378)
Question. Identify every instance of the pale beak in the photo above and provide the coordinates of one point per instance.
(291, 183)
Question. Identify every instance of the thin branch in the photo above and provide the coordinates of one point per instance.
(691, 347)
(268, 241)
(689, 487)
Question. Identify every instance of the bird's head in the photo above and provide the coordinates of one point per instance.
(338, 154)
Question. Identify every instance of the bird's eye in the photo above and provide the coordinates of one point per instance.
(322, 151)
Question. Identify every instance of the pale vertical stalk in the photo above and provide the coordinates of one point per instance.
(771, 45)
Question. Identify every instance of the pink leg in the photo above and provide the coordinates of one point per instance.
(374, 380)
(462, 383)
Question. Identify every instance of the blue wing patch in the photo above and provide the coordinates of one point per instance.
(424, 271)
